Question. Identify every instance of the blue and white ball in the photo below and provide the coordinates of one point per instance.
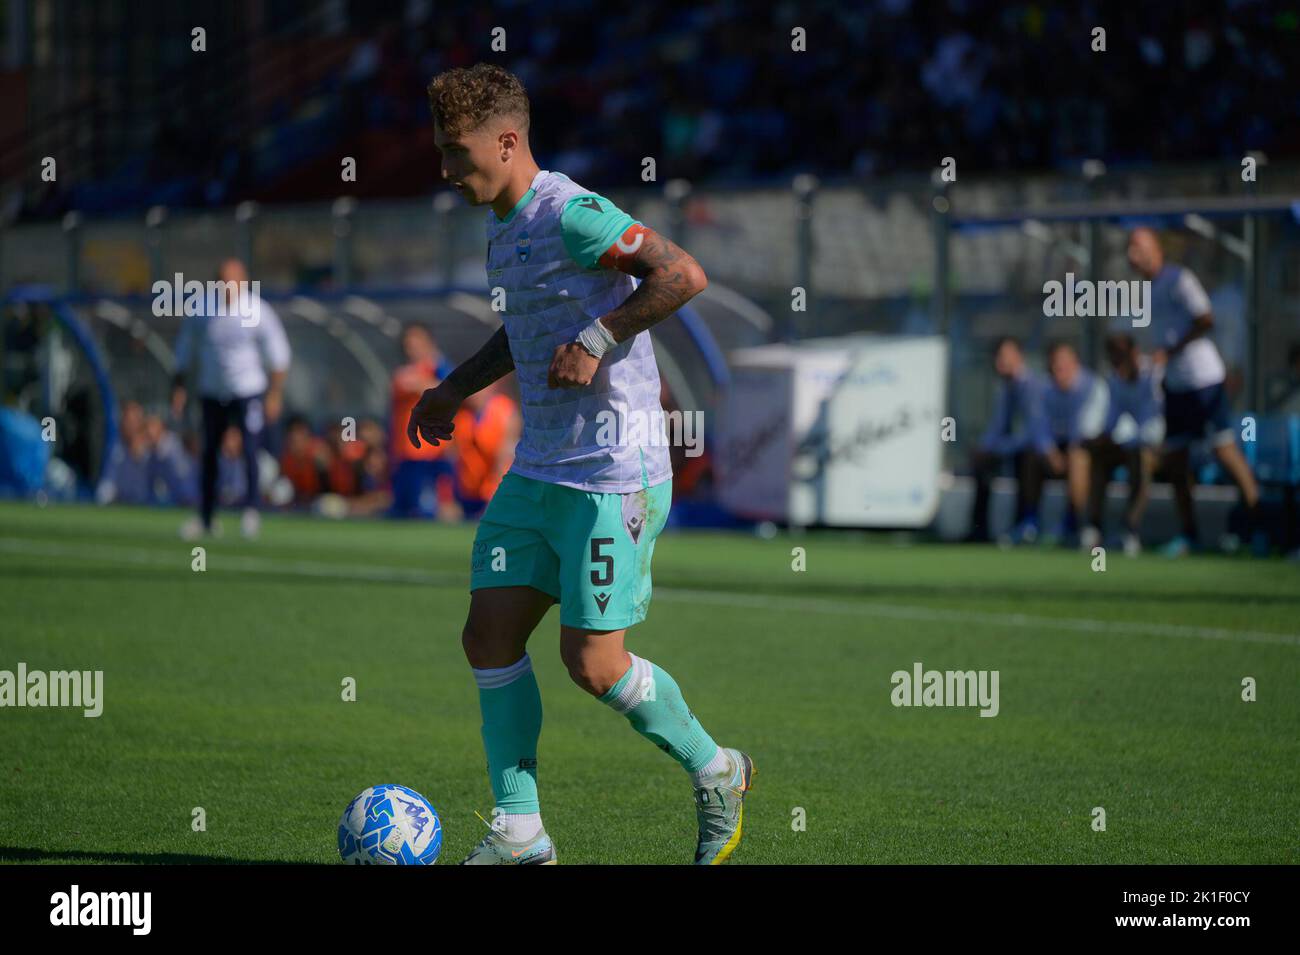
(390, 825)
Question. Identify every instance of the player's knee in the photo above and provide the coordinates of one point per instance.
(587, 670)
(486, 647)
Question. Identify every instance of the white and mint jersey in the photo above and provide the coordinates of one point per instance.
(544, 256)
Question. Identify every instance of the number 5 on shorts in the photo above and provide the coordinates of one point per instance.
(607, 560)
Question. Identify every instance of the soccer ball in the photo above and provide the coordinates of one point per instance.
(390, 825)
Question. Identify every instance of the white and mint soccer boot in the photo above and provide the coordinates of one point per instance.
(720, 809)
(495, 849)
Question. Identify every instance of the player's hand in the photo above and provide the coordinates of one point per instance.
(433, 415)
(572, 366)
(178, 402)
(272, 405)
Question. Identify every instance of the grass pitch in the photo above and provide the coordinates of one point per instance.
(1119, 690)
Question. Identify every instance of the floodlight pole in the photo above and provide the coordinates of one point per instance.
(245, 223)
(343, 210)
(444, 204)
(1093, 171)
(941, 223)
(72, 252)
(154, 220)
(940, 300)
(805, 196)
(1251, 233)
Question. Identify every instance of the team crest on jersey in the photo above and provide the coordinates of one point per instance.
(523, 246)
(634, 513)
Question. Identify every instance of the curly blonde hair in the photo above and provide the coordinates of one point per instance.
(463, 99)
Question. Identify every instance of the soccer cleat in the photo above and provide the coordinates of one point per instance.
(495, 849)
(1180, 546)
(720, 809)
(193, 529)
(1089, 538)
(250, 523)
(1024, 533)
(1132, 545)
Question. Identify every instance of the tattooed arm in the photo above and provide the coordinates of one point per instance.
(670, 278)
(433, 415)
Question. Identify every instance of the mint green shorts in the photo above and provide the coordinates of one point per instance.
(589, 551)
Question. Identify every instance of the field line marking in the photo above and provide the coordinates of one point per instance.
(246, 564)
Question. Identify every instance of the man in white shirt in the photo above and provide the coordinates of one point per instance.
(234, 352)
(1196, 402)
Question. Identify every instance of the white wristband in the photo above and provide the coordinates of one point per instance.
(596, 339)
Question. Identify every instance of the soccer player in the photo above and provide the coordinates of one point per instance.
(575, 519)
(1196, 405)
(234, 388)
(1130, 436)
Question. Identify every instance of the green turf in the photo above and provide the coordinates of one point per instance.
(223, 691)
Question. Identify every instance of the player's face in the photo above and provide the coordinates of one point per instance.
(416, 345)
(1121, 358)
(1144, 253)
(469, 162)
(1007, 361)
(1064, 367)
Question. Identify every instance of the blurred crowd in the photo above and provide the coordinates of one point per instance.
(716, 93)
(347, 468)
(902, 82)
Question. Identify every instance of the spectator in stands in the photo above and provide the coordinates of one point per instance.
(345, 461)
(234, 352)
(172, 470)
(423, 476)
(487, 428)
(1074, 407)
(374, 487)
(126, 477)
(1130, 437)
(1014, 437)
(1196, 403)
(305, 461)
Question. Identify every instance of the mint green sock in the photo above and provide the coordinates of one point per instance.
(511, 706)
(652, 702)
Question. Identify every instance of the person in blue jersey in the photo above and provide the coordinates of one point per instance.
(1196, 402)
(1013, 440)
(575, 519)
(1074, 406)
(1130, 437)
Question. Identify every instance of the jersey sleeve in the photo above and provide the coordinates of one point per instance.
(1190, 294)
(590, 225)
(273, 341)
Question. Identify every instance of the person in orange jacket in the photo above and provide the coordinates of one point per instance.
(487, 427)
